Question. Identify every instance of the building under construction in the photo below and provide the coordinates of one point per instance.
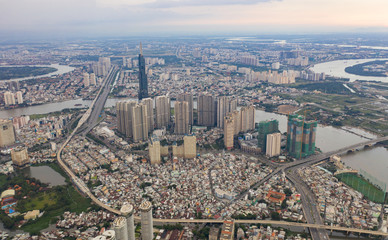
(264, 128)
(301, 136)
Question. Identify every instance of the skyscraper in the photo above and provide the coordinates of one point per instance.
(120, 228)
(163, 111)
(19, 97)
(225, 105)
(7, 133)
(124, 117)
(146, 220)
(181, 110)
(301, 136)
(150, 112)
(264, 128)
(139, 122)
(132, 120)
(127, 211)
(273, 144)
(154, 150)
(229, 131)
(247, 118)
(207, 110)
(188, 97)
(9, 98)
(86, 81)
(20, 157)
(143, 84)
(190, 146)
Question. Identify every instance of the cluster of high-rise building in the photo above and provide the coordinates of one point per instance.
(124, 226)
(11, 98)
(301, 136)
(269, 137)
(236, 122)
(89, 79)
(286, 77)
(101, 68)
(249, 60)
(133, 119)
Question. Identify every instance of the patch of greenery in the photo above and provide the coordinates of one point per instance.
(362, 185)
(359, 69)
(21, 72)
(325, 87)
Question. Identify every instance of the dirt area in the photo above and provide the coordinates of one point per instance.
(286, 109)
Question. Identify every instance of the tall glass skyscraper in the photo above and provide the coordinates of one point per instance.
(143, 84)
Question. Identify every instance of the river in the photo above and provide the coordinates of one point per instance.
(374, 160)
(337, 69)
(61, 69)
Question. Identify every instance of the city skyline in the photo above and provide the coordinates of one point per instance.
(92, 18)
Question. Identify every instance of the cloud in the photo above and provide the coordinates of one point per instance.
(177, 3)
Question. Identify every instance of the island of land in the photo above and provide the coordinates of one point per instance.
(21, 72)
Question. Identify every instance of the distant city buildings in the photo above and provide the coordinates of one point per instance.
(7, 133)
(101, 68)
(9, 98)
(86, 80)
(301, 136)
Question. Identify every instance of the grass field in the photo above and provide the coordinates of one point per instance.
(362, 185)
(75, 203)
(42, 200)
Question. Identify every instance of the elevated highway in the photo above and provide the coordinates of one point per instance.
(90, 117)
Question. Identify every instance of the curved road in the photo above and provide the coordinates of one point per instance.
(91, 117)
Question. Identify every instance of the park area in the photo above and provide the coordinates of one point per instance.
(362, 185)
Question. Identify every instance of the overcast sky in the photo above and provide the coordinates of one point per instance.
(136, 17)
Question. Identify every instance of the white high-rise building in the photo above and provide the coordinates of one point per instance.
(225, 105)
(163, 111)
(19, 97)
(92, 79)
(273, 144)
(9, 98)
(181, 110)
(146, 221)
(86, 79)
(120, 228)
(127, 211)
(150, 112)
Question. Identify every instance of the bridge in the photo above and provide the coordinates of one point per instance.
(95, 109)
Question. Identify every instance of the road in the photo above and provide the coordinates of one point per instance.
(99, 103)
(90, 118)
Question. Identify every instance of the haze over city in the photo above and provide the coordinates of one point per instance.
(112, 18)
(193, 119)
